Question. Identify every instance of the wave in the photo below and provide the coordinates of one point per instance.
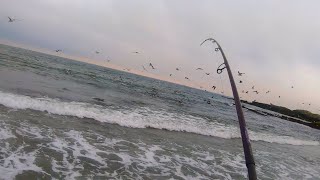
(141, 118)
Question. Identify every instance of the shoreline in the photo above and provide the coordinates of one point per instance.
(283, 113)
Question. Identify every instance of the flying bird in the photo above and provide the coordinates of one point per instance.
(240, 74)
(136, 52)
(279, 96)
(11, 19)
(186, 78)
(144, 68)
(207, 74)
(199, 69)
(252, 87)
(97, 52)
(267, 92)
(177, 69)
(247, 92)
(151, 66)
(291, 86)
(170, 74)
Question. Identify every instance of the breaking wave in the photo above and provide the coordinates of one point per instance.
(141, 118)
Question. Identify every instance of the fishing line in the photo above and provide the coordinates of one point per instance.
(221, 84)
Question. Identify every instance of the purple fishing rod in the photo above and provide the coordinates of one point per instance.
(242, 123)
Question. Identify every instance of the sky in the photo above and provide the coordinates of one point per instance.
(276, 43)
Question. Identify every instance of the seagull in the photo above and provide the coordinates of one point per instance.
(252, 87)
(214, 87)
(186, 78)
(144, 68)
(58, 50)
(97, 52)
(247, 92)
(199, 69)
(256, 92)
(279, 96)
(170, 74)
(291, 86)
(207, 74)
(11, 19)
(267, 92)
(177, 69)
(136, 52)
(151, 66)
(240, 74)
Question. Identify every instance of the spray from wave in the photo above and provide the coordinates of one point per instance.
(140, 118)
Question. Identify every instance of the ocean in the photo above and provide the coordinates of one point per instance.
(64, 119)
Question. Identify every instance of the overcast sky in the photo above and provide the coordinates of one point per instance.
(276, 43)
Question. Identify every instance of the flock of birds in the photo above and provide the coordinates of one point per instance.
(240, 74)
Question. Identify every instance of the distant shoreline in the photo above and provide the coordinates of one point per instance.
(298, 116)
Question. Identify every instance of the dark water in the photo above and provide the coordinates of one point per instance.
(63, 119)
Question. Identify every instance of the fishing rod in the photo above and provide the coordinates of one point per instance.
(242, 123)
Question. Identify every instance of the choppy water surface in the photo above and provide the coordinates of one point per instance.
(63, 119)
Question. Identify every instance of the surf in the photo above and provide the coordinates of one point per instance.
(141, 118)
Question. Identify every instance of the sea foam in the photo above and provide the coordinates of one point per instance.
(141, 118)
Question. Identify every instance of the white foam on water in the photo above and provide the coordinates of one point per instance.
(16, 162)
(5, 133)
(285, 167)
(29, 131)
(135, 163)
(136, 158)
(141, 118)
(72, 148)
(280, 139)
(163, 162)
